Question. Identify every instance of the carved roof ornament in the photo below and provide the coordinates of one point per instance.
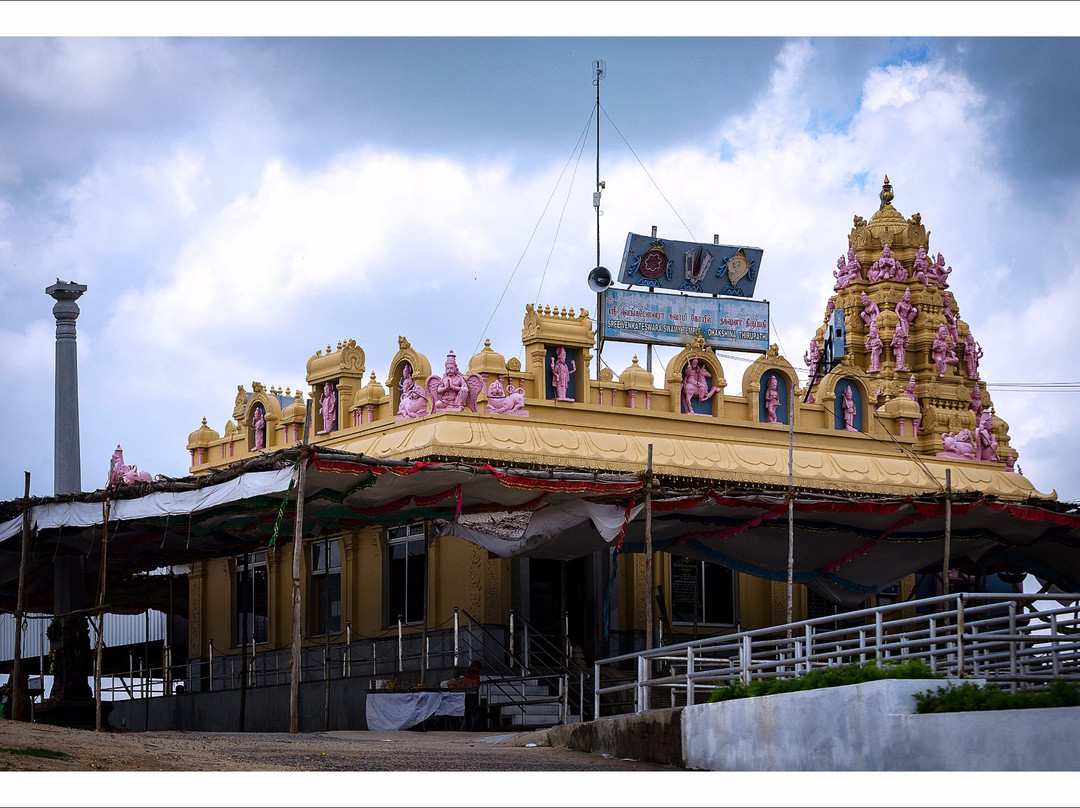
(888, 227)
(202, 437)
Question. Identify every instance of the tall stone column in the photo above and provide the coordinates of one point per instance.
(67, 465)
(68, 633)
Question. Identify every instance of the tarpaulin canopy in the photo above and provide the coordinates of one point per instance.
(845, 546)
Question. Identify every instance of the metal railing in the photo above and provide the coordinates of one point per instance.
(1013, 641)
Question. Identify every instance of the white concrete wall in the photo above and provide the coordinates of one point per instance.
(874, 727)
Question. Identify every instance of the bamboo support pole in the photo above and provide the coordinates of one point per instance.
(298, 530)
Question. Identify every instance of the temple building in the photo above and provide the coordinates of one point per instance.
(895, 419)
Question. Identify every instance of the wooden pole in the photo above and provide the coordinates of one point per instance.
(648, 553)
(298, 530)
(18, 695)
(948, 532)
(791, 506)
(99, 611)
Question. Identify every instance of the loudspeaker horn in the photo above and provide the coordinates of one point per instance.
(599, 279)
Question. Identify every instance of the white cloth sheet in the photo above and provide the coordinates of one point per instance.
(387, 712)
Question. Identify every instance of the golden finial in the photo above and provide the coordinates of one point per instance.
(886, 195)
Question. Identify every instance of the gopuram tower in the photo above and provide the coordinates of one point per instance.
(892, 315)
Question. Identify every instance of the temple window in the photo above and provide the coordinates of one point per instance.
(324, 587)
(405, 573)
(702, 593)
(251, 616)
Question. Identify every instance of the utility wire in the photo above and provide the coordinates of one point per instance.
(647, 174)
(578, 147)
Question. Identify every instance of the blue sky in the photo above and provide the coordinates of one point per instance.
(237, 198)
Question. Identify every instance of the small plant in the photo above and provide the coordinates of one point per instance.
(826, 677)
(968, 697)
(33, 751)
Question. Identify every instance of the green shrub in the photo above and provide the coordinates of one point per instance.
(967, 697)
(826, 677)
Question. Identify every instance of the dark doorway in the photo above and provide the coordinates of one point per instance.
(559, 602)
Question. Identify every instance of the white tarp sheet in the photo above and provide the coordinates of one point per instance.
(161, 503)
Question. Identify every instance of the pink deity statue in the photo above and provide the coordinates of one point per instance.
(1010, 464)
(950, 318)
(886, 268)
(847, 402)
(976, 400)
(921, 269)
(697, 383)
(899, 345)
(847, 270)
(508, 401)
(959, 445)
(909, 389)
(973, 352)
(120, 472)
(874, 345)
(985, 441)
(870, 309)
(560, 374)
(414, 401)
(939, 272)
(258, 423)
(812, 356)
(454, 391)
(772, 400)
(328, 408)
(942, 352)
(905, 313)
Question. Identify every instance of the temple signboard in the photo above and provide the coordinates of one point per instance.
(733, 324)
(687, 266)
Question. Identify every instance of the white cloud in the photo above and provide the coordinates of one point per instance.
(236, 276)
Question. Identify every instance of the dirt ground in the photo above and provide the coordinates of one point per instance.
(349, 751)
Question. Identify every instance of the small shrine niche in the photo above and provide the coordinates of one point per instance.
(558, 352)
(560, 374)
(335, 378)
(848, 411)
(773, 398)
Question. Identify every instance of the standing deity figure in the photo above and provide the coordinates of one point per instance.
(454, 392)
(921, 268)
(899, 347)
(328, 408)
(870, 309)
(772, 400)
(985, 441)
(874, 345)
(886, 268)
(258, 422)
(848, 404)
(941, 352)
(414, 400)
(905, 313)
(560, 374)
(696, 384)
(812, 356)
(973, 352)
(950, 318)
(976, 400)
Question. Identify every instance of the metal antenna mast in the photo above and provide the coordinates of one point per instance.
(599, 70)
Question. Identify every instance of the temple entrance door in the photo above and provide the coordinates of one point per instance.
(560, 603)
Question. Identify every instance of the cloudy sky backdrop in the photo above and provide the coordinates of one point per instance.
(235, 204)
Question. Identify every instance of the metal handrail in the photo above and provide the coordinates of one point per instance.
(1005, 639)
